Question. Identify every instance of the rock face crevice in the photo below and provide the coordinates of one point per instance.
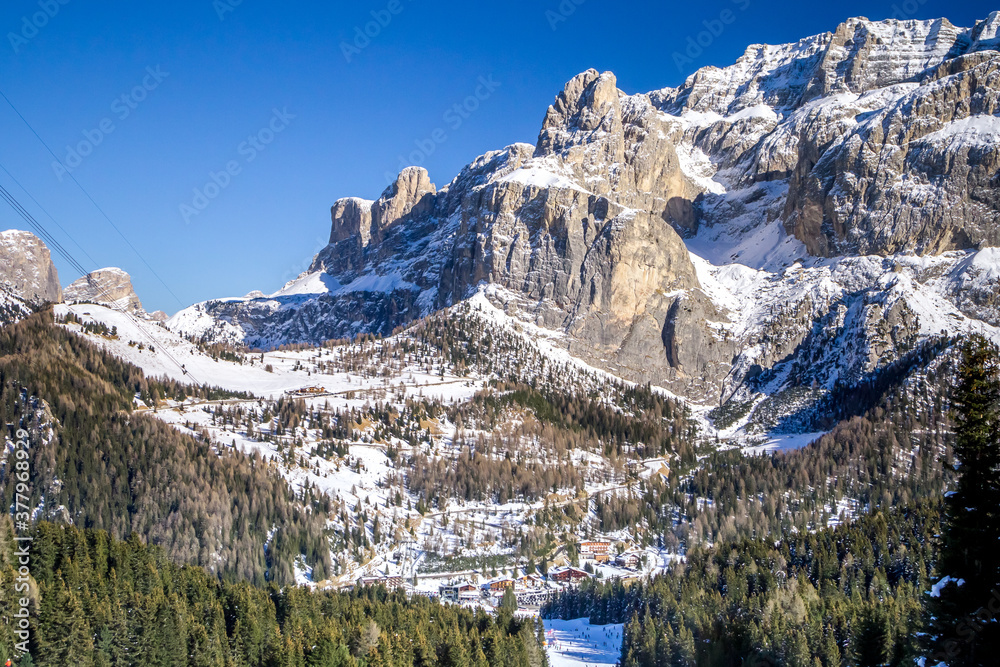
(816, 158)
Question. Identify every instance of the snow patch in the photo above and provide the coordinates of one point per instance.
(980, 130)
(538, 177)
(939, 586)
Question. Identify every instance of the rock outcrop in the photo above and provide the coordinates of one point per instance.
(885, 132)
(26, 268)
(718, 238)
(112, 287)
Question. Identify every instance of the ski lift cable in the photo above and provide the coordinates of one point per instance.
(30, 219)
(49, 215)
(92, 200)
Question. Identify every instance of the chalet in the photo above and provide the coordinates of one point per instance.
(531, 581)
(389, 582)
(500, 584)
(460, 591)
(628, 559)
(568, 575)
(306, 391)
(595, 548)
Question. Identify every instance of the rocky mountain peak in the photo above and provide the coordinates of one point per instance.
(590, 104)
(986, 34)
(110, 286)
(26, 268)
(412, 192)
(863, 55)
(351, 217)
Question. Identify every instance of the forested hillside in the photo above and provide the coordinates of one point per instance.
(97, 462)
(915, 576)
(849, 595)
(891, 455)
(100, 602)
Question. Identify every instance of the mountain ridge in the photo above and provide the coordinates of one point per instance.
(635, 221)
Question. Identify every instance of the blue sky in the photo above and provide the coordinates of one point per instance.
(263, 96)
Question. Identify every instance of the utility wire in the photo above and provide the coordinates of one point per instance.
(114, 305)
(49, 215)
(92, 201)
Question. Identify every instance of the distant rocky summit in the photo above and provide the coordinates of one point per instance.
(26, 268)
(111, 287)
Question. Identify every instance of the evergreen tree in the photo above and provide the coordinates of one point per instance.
(965, 607)
(508, 605)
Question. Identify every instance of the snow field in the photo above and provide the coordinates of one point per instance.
(577, 643)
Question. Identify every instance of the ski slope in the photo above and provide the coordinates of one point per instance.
(171, 352)
(577, 643)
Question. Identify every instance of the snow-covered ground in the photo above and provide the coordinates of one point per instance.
(171, 355)
(577, 643)
(784, 442)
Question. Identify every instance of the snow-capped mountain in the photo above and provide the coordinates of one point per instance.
(775, 229)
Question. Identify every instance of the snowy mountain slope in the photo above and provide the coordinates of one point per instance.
(163, 353)
(12, 308)
(800, 219)
(166, 354)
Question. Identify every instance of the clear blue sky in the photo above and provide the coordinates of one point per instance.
(353, 120)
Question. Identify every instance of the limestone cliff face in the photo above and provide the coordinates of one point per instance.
(578, 229)
(718, 238)
(884, 132)
(919, 175)
(26, 268)
(108, 287)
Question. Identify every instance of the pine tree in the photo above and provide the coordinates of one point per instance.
(67, 639)
(965, 607)
(508, 606)
(871, 647)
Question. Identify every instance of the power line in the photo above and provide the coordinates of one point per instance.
(49, 215)
(92, 201)
(44, 234)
